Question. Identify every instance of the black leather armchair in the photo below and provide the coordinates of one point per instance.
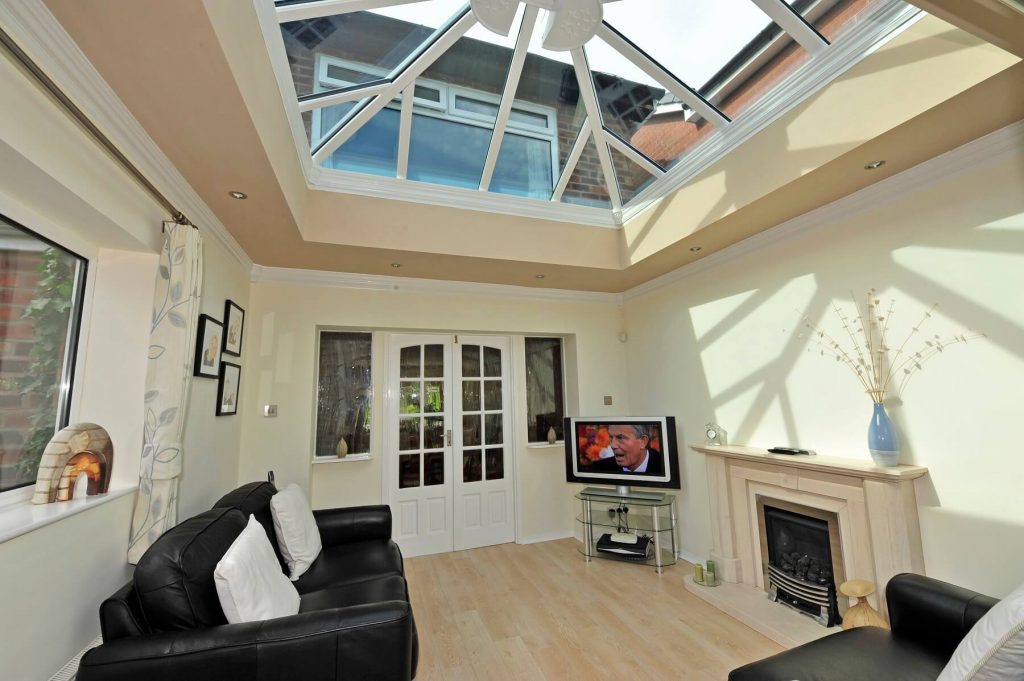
(928, 618)
(354, 622)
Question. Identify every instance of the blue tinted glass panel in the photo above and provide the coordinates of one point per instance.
(446, 152)
(372, 149)
(524, 167)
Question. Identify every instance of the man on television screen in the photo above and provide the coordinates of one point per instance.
(633, 454)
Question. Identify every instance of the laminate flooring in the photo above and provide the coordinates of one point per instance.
(539, 611)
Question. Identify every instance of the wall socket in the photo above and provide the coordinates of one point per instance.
(270, 410)
(607, 400)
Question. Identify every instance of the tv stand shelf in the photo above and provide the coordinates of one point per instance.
(655, 518)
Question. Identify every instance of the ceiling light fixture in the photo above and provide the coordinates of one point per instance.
(238, 195)
(874, 164)
(695, 249)
(396, 265)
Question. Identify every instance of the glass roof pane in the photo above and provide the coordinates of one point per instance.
(831, 17)
(692, 39)
(525, 166)
(321, 51)
(587, 186)
(632, 178)
(625, 103)
(320, 121)
(373, 149)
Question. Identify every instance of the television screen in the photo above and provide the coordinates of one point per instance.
(634, 450)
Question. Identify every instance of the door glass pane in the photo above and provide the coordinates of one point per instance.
(471, 396)
(410, 362)
(433, 360)
(433, 468)
(433, 397)
(492, 362)
(409, 433)
(493, 432)
(410, 397)
(433, 432)
(471, 431)
(492, 395)
(470, 360)
(472, 465)
(409, 470)
(495, 464)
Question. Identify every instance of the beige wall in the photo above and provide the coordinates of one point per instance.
(280, 370)
(719, 345)
(56, 181)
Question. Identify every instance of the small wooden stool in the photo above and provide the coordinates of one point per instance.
(861, 614)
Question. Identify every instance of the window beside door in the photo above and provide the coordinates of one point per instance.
(41, 293)
(344, 394)
(545, 388)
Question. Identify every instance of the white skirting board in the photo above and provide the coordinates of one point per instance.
(68, 671)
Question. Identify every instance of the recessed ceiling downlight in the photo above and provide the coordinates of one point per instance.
(874, 165)
(695, 249)
(539, 276)
(396, 265)
(238, 195)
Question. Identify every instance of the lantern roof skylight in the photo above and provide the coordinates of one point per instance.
(585, 111)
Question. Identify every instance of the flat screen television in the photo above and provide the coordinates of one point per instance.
(625, 451)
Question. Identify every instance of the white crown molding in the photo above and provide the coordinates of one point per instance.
(372, 282)
(861, 40)
(40, 35)
(467, 199)
(976, 154)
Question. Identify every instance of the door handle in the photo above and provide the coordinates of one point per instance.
(448, 438)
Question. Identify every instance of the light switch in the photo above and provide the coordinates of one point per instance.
(607, 400)
(270, 410)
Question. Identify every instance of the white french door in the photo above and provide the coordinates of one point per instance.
(448, 460)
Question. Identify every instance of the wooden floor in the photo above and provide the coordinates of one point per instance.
(540, 612)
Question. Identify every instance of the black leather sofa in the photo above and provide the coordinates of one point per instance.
(354, 622)
(928, 619)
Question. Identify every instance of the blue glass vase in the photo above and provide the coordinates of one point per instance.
(883, 440)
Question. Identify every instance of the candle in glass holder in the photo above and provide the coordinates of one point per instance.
(698, 573)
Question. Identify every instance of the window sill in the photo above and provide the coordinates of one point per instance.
(344, 459)
(560, 444)
(22, 518)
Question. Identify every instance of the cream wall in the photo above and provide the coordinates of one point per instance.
(56, 181)
(721, 344)
(281, 370)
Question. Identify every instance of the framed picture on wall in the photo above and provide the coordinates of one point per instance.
(208, 341)
(227, 389)
(234, 324)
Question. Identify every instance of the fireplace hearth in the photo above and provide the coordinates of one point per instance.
(800, 563)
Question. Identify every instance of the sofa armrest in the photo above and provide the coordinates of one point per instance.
(352, 524)
(118, 615)
(363, 641)
(936, 614)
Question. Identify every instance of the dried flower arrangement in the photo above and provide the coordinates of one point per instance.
(869, 358)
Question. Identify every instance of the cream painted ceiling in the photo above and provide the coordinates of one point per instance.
(197, 77)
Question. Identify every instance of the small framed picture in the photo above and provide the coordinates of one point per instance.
(234, 324)
(208, 341)
(227, 389)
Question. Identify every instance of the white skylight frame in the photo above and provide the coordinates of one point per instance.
(824, 64)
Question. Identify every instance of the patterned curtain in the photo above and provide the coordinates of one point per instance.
(172, 338)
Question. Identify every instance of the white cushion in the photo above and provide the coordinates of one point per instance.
(250, 584)
(994, 647)
(298, 537)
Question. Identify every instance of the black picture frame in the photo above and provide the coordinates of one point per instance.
(228, 389)
(208, 343)
(234, 326)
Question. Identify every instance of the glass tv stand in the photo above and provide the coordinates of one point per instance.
(651, 515)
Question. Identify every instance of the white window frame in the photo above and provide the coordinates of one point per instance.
(446, 109)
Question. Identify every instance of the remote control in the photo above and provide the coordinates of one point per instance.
(791, 451)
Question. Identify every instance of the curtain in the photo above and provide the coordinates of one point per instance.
(172, 338)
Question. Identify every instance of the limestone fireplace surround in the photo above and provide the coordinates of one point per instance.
(877, 510)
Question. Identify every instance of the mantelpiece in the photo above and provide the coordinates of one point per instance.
(876, 507)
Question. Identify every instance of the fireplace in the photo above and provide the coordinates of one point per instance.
(802, 558)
